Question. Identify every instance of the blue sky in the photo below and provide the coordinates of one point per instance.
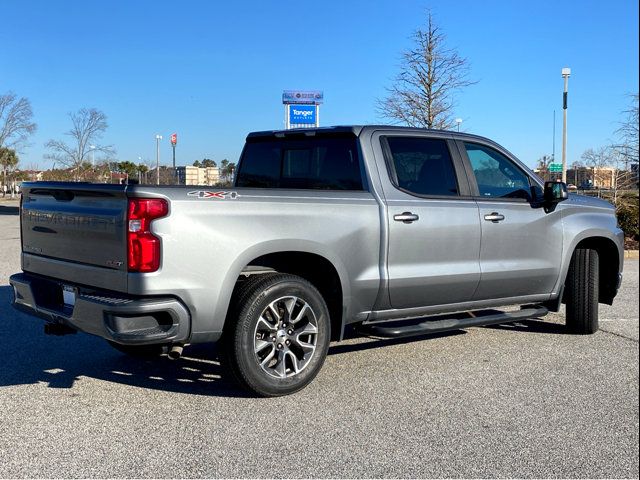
(213, 71)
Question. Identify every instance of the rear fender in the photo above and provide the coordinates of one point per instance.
(271, 247)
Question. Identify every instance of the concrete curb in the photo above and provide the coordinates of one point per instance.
(631, 254)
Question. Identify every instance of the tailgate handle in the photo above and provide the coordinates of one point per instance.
(59, 195)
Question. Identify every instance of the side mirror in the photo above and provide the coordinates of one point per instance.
(555, 192)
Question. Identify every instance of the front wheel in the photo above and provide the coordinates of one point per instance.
(581, 290)
(280, 335)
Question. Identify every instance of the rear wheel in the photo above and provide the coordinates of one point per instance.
(143, 352)
(279, 338)
(581, 290)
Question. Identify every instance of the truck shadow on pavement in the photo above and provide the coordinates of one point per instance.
(532, 325)
(31, 357)
(369, 342)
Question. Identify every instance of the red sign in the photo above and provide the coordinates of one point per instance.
(174, 138)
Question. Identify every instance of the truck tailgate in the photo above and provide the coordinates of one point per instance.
(76, 232)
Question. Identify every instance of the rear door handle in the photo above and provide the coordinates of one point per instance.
(494, 217)
(406, 217)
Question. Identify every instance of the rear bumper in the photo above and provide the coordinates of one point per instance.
(113, 316)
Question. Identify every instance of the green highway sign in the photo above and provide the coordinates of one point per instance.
(555, 167)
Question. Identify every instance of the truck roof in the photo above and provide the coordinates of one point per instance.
(310, 132)
(354, 130)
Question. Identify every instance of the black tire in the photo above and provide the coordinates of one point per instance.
(581, 290)
(141, 352)
(239, 340)
(242, 291)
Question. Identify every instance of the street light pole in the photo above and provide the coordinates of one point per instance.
(458, 121)
(566, 72)
(158, 138)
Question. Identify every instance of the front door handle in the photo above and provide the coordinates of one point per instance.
(494, 217)
(406, 217)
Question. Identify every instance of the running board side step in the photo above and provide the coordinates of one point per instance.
(455, 323)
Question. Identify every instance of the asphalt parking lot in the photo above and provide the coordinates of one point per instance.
(521, 400)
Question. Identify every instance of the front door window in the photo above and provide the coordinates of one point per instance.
(496, 175)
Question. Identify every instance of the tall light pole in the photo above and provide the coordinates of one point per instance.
(458, 122)
(553, 150)
(93, 155)
(158, 138)
(566, 72)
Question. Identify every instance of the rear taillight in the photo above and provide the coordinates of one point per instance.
(143, 247)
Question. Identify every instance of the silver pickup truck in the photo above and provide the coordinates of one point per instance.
(390, 231)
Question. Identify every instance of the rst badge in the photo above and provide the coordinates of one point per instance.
(221, 195)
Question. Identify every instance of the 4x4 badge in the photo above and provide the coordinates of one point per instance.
(209, 194)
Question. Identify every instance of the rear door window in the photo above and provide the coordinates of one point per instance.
(423, 166)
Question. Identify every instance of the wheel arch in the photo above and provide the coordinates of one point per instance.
(311, 262)
(609, 263)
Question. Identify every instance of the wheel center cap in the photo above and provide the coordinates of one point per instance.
(282, 334)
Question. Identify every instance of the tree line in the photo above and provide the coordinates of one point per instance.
(80, 157)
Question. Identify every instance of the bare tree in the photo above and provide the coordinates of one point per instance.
(88, 127)
(543, 166)
(577, 164)
(628, 133)
(431, 73)
(597, 158)
(607, 163)
(15, 120)
(627, 146)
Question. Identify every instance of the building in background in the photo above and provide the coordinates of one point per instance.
(189, 175)
(33, 175)
(592, 177)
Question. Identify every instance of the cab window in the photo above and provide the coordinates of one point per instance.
(423, 166)
(496, 175)
(312, 164)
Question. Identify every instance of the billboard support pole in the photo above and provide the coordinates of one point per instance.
(175, 174)
(174, 140)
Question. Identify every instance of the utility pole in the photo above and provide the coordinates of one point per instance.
(174, 140)
(158, 138)
(553, 151)
(566, 72)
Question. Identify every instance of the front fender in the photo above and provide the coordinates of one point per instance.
(597, 225)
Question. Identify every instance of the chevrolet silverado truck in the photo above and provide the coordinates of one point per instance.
(388, 231)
